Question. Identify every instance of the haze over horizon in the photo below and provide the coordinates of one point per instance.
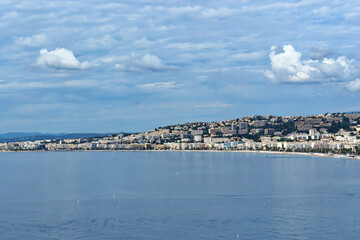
(94, 66)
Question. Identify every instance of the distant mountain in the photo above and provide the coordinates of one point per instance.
(352, 112)
(34, 136)
(22, 134)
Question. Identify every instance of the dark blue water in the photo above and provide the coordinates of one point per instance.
(177, 195)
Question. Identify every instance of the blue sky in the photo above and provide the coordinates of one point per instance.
(109, 66)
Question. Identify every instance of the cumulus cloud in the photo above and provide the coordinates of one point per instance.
(143, 63)
(287, 66)
(354, 85)
(60, 58)
(32, 41)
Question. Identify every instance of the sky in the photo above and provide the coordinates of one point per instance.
(112, 66)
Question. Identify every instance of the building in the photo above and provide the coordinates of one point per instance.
(198, 138)
(243, 125)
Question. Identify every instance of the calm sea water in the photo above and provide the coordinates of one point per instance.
(177, 195)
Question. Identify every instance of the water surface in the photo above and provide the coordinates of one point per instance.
(177, 195)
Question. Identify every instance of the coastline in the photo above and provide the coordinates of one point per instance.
(323, 155)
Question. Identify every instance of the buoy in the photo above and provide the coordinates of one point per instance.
(78, 201)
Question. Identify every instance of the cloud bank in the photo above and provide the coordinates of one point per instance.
(287, 66)
(217, 47)
(60, 58)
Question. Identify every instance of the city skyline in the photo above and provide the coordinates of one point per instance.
(89, 66)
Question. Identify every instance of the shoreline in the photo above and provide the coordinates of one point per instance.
(324, 155)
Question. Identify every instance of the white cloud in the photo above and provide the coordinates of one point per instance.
(159, 85)
(182, 10)
(24, 85)
(354, 85)
(214, 105)
(60, 58)
(163, 27)
(143, 42)
(104, 42)
(143, 63)
(249, 56)
(220, 12)
(287, 66)
(201, 10)
(35, 40)
(111, 5)
(173, 10)
(82, 83)
(109, 59)
(281, 5)
(194, 46)
(10, 15)
(323, 11)
(42, 85)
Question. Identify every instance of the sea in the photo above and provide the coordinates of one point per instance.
(177, 195)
